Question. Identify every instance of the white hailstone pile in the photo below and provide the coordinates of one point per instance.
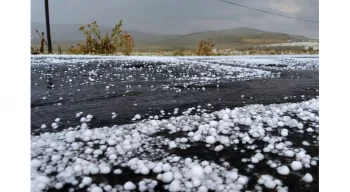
(270, 182)
(207, 71)
(306, 62)
(257, 157)
(75, 154)
(86, 119)
(190, 174)
(54, 125)
(137, 116)
(114, 115)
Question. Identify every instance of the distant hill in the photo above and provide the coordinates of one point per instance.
(67, 35)
(230, 38)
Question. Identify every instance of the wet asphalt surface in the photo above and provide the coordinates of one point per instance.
(128, 96)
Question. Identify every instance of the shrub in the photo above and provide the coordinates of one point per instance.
(95, 43)
(34, 50)
(75, 50)
(205, 47)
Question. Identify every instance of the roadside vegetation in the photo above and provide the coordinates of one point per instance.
(119, 42)
(95, 43)
(205, 48)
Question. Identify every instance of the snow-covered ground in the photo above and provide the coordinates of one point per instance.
(194, 71)
(77, 154)
(281, 62)
(231, 149)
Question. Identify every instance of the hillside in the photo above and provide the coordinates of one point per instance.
(67, 35)
(230, 38)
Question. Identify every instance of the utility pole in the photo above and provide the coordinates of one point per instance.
(48, 33)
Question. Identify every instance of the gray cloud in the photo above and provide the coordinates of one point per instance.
(183, 16)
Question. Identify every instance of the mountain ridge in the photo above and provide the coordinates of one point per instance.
(68, 34)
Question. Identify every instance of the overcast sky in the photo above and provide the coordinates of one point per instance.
(183, 16)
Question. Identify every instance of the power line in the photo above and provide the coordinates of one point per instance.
(286, 16)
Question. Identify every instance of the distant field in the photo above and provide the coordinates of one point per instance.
(259, 41)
